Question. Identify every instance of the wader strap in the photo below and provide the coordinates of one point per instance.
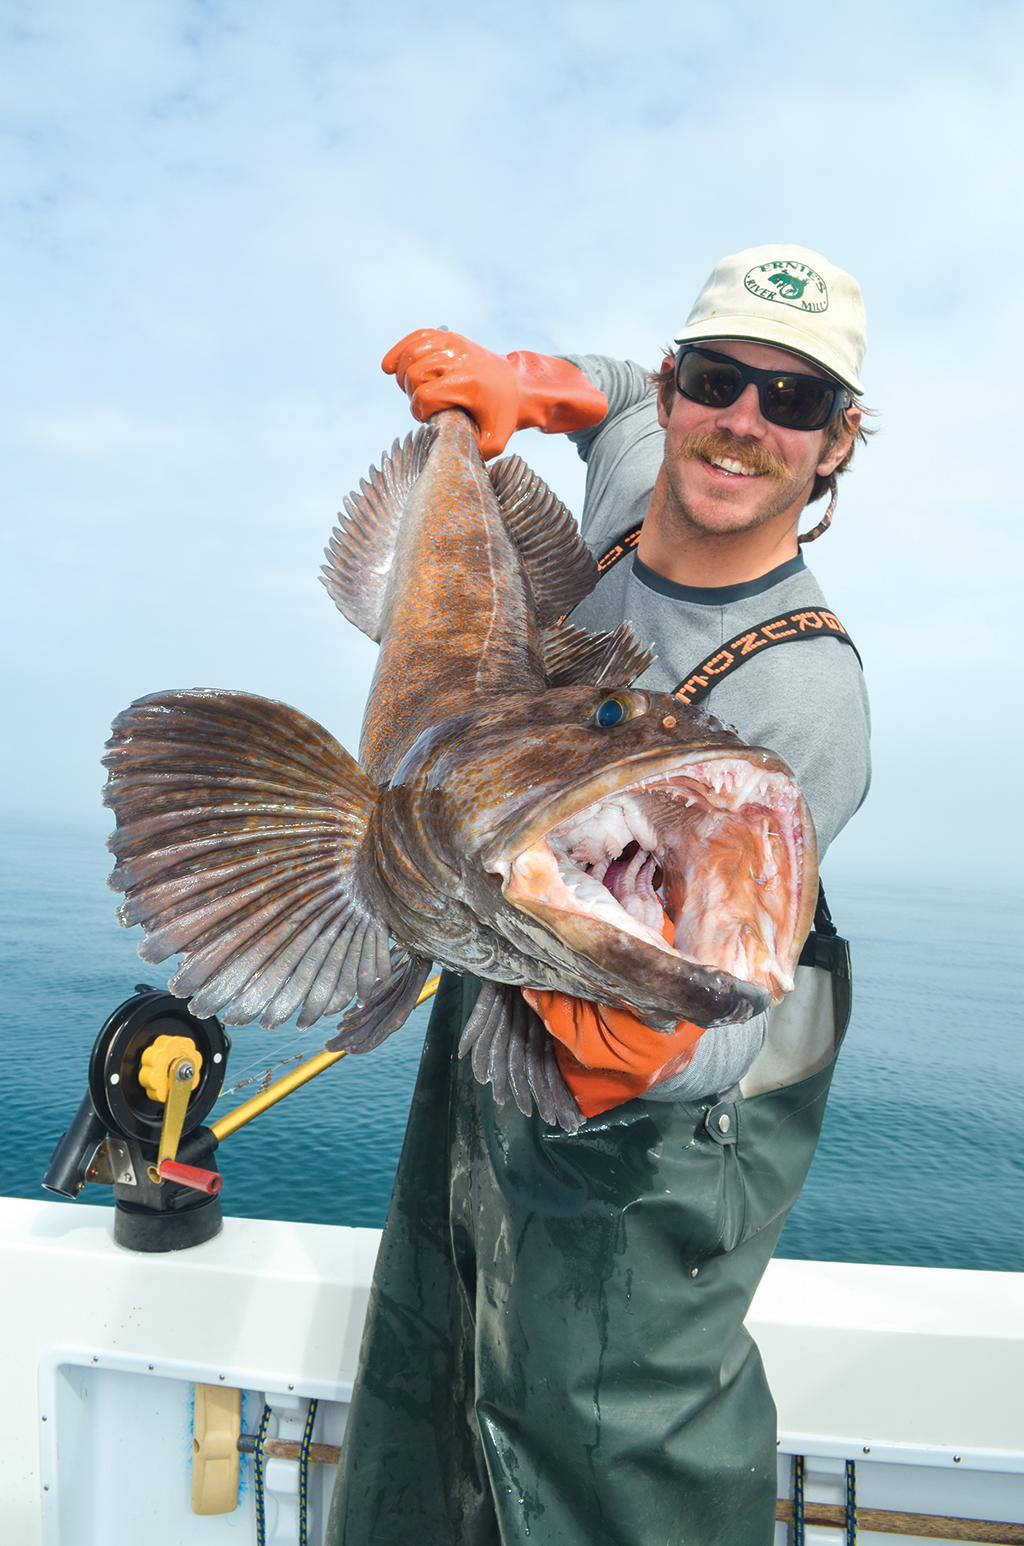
(788, 627)
(824, 947)
(619, 548)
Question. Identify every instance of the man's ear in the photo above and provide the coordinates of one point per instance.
(839, 450)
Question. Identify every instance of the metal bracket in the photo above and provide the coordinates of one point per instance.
(111, 1164)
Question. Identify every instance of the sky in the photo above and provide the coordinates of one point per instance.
(218, 216)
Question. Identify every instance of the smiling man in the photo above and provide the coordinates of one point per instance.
(731, 472)
(554, 1349)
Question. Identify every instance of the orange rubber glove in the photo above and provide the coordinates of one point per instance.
(607, 1056)
(502, 393)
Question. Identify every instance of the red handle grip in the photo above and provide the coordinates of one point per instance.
(208, 1181)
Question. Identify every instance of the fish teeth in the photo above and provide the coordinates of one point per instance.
(591, 894)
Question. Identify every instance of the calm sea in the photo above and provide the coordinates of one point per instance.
(922, 1156)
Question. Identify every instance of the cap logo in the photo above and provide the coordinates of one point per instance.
(790, 283)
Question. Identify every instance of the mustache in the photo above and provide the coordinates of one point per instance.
(752, 456)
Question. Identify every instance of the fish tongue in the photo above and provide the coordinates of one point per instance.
(630, 882)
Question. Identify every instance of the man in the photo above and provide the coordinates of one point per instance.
(555, 1349)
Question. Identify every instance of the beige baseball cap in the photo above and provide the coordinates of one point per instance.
(789, 296)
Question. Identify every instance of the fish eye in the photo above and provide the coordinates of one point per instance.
(617, 709)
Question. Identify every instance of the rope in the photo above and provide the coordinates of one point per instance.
(796, 1535)
(797, 1532)
(257, 1464)
(851, 1503)
(307, 1439)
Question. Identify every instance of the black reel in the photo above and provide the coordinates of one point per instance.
(114, 1137)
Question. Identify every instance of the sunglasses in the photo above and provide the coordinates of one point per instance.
(790, 401)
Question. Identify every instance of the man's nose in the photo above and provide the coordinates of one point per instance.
(743, 417)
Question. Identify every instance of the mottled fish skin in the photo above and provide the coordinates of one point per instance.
(458, 626)
(472, 785)
(468, 743)
(250, 843)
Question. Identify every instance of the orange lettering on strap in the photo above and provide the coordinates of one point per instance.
(690, 686)
(713, 668)
(766, 629)
(807, 620)
(831, 621)
(610, 557)
(750, 642)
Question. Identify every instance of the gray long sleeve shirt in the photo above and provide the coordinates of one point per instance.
(807, 702)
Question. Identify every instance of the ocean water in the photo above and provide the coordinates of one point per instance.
(921, 1159)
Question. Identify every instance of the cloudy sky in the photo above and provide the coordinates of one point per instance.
(217, 216)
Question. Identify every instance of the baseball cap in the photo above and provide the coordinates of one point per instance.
(789, 296)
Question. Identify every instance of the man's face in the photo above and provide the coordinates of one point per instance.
(757, 472)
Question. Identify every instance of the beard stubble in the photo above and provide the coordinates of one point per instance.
(711, 445)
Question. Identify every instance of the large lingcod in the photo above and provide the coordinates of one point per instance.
(517, 812)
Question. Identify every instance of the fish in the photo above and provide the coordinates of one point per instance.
(518, 810)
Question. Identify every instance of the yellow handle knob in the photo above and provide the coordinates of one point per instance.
(155, 1070)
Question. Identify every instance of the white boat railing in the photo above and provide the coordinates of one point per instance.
(912, 1374)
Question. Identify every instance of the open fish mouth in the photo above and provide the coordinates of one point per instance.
(710, 861)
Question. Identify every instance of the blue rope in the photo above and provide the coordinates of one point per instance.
(797, 1537)
(307, 1439)
(851, 1503)
(257, 1465)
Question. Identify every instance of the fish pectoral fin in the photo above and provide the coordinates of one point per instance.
(239, 825)
(574, 657)
(362, 544)
(388, 1007)
(559, 565)
(511, 1050)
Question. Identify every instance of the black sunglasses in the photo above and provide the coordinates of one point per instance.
(790, 401)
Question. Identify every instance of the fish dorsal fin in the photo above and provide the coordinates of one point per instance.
(575, 658)
(239, 827)
(557, 561)
(362, 544)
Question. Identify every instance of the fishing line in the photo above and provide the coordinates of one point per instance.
(259, 1070)
(258, 1073)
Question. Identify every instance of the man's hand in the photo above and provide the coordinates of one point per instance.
(444, 370)
(608, 1056)
(502, 393)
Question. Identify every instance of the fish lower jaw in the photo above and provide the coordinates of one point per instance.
(538, 882)
(705, 865)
